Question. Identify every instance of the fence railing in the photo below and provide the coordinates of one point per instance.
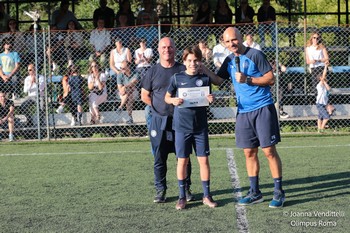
(50, 114)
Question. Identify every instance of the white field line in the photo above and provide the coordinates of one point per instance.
(142, 151)
(242, 221)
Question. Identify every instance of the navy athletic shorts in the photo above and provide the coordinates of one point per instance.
(184, 142)
(258, 128)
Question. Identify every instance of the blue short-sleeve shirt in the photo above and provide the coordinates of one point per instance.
(253, 63)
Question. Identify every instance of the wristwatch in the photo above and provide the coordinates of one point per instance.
(248, 80)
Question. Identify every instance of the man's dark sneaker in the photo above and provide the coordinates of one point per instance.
(160, 196)
(189, 196)
(209, 202)
(251, 198)
(278, 199)
(181, 203)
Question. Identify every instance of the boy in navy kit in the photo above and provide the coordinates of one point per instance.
(154, 86)
(191, 124)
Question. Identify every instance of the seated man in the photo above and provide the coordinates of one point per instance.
(127, 82)
(31, 89)
(7, 109)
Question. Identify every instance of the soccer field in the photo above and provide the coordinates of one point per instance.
(107, 186)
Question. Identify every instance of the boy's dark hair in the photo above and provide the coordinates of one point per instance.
(6, 41)
(192, 50)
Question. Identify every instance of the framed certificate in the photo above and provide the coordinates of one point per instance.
(194, 97)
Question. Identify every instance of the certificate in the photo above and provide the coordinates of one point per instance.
(194, 97)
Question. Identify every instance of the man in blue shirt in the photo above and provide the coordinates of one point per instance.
(154, 86)
(256, 122)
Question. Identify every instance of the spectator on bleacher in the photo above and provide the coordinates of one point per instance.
(16, 36)
(104, 12)
(203, 16)
(206, 52)
(266, 19)
(7, 119)
(127, 81)
(249, 41)
(9, 66)
(4, 18)
(98, 91)
(125, 8)
(322, 100)
(55, 51)
(29, 56)
(123, 31)
(149, 32)
(73, 94)
(223, 13)
(33, 88)
(62, 16)
(118, 55)
(147, 15)
(244, 13)
(143, 58)
(73, 43)
(220, 52)
(316, 55)
(100, 39)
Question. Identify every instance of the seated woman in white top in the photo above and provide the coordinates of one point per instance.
(143, 57)
(117, 56)
(98, 91)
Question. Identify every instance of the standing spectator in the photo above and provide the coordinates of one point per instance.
(249, 41)
(154, 87)
(123, 31)
(9, 65)
(73, 43)
(127, 82)
(4, 18)
(104, 12)
(322, 100)
(266, 19)
(191, 125)
(33, 88)
(62, 16)
(73, 94)
(244, 13)
(143, 58)
(316, 57)
(147, 14)
(7, 110)
(256, 120)
(125, 8)
(100, 39)
(223, 13)
(98, 91)
(283, 86)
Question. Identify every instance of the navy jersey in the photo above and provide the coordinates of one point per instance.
(76, 86)
(253, 63)
(193, 119)
(156, 81)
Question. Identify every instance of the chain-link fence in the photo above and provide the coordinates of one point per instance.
(69, 107)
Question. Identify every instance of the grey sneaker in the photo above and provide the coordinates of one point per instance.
(11, 138)
(160, 196)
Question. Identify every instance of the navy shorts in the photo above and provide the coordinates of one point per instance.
(185, 141)
(258, 128)
(322, 112)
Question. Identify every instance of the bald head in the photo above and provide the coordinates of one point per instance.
(166, 49)
(233, 40)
